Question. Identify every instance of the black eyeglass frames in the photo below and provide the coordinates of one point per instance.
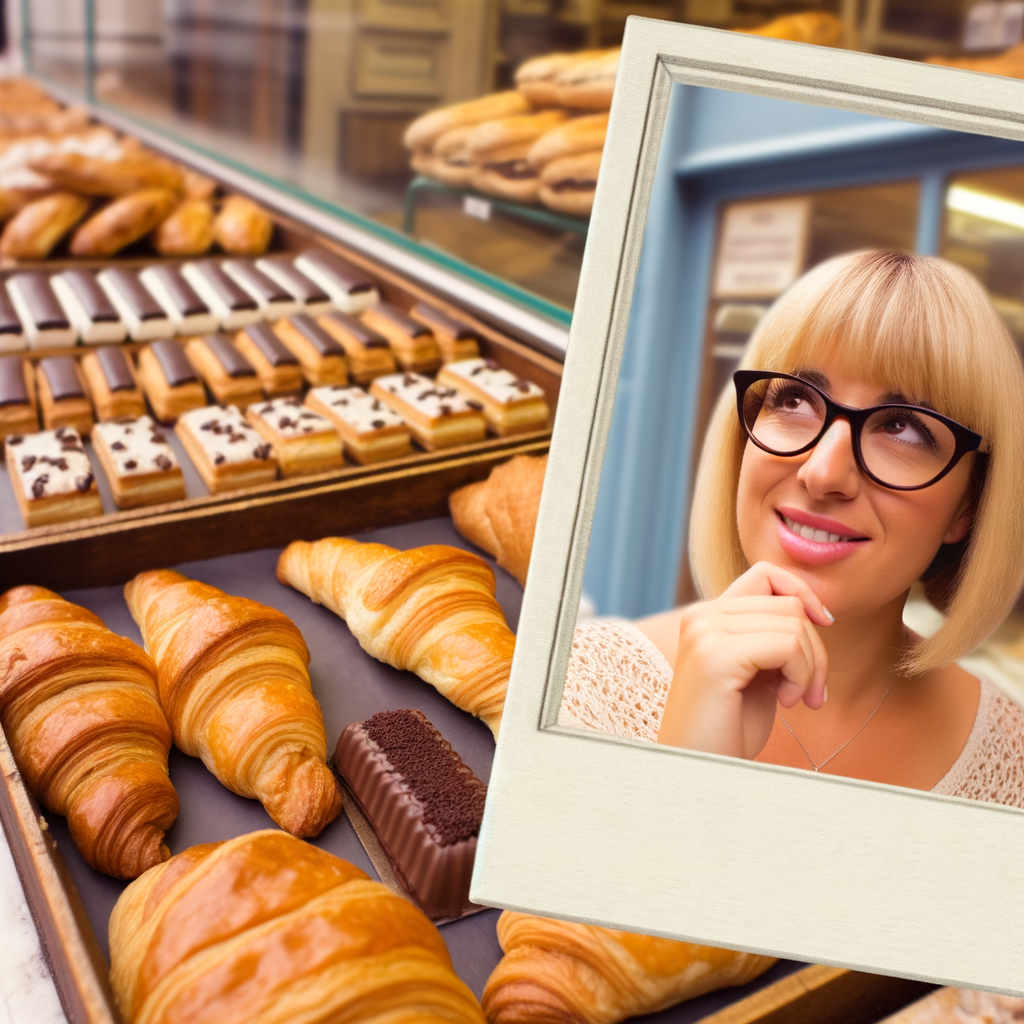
(902, 447)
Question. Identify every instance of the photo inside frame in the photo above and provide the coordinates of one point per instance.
(752, 193)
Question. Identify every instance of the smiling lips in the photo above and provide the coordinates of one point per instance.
(815, 539)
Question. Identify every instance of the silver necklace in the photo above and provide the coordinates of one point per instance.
(818, 767)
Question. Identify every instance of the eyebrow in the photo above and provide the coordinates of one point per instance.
(820, 380)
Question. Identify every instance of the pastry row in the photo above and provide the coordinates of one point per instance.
(40, 310)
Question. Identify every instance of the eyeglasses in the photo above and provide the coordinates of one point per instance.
(903, 447)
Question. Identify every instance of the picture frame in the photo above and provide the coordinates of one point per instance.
(692, 846)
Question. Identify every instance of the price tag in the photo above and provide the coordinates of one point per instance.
(474, 206)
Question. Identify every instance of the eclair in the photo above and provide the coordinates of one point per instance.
(274, 301)
(311, 297)
(226, 372)
(87, 306)
(455, 339)
(62, 395)
(169, 380)
(370, 430)
(12, 333)
(141, 313)
(368, 353)
(438, 417)
(302, 440)
(321, 355)
(39, 310)
(227, 452)
(350, 290)
(138, 462)
(110, 378)
(413, 342)
(276, 365)
(232, 306)
(17, 397)
(178, 299)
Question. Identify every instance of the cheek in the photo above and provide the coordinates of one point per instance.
(759, 474)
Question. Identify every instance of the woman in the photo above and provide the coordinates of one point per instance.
(811, 521)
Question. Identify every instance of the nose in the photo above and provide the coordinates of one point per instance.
(831, 469)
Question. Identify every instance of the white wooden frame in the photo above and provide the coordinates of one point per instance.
(695, 846)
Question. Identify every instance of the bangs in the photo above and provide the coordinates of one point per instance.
(915, 326)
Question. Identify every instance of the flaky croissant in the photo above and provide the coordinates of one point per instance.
(80, 710)
(267, 929)
(234, 684)
(560, 972)
(430, 610)
(499, 514)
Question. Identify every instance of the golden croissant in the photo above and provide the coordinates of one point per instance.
(430, 610)
(559, 972)
(499, 514)
(267, 929)
(80, 710)
(234, 684)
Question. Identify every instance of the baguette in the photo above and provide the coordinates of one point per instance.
(577, 135)
(817, 27)
(535, 78)
(188, 231)
(589, 85)
(567, 185)
(242, 228)
(38, 227)
(94, 176)
(422, 133)
(122, 222)
(486, 140)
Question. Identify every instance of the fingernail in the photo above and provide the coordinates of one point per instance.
(829, 615)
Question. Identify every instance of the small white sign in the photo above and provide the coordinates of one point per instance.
(474, 206)
(994, 25)
(761, 248)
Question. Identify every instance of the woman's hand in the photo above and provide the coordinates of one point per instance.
(738, 655)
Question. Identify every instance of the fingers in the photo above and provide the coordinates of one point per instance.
(765, 579)
(788, 654)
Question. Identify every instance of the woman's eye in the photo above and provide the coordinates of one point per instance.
(907, 430)
(791, 400)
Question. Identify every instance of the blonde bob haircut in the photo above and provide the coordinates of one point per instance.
(924, 328)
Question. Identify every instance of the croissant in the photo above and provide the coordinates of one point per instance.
(430, 610)
(499, 514)
(234, 684)
(559, 972)
(264, 929)
(79, 707)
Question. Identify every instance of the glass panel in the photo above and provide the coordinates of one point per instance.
(56, 33)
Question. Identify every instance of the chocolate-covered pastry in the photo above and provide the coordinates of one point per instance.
(142, 314)
(62, 395)
(321, 355)
(110, 378)
(455, 339)
(226, 372)
(413, 342)
(169, 380)
(350, 289)
(45, 322)
(12, 333)
(232, 306)
(17, 397)
(88, 307)
(273, 300)
(369, 354)
(276, 365)
(178, 299)
(423, 801)
(310, 296)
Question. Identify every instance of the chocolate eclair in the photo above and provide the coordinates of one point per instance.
(350, 289)
(17, 397)
(412, 341)
(88, 307)
(110, 378)
(62, 395)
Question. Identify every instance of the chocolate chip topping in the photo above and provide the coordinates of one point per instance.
(270, 345)
(452, 797)
(46, 312)
(358, 331)
(9, 322)
(91, 296)
(12, 381)
(163, 462)
(346, 277)
(61, 374)
(229, 293)
(174, 364)
(182, 295)
(402, 320)
(39, 485)
(231, 360)
(116, 372)
(443, 322)
(127, 284)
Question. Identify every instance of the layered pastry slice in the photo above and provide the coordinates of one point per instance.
(88, 307)
(423, 802)
(52, 477)
(229, 303)
(349, 289)
(274, 301)
(178, 299)
(302, 440)
(45, 323)
(226, 372)
(138, 461)
(438, 417)
(512, 405)
(141, 313)
(413, 343)
(169, 380)
(228, 453)
(311, 297)
(12, 333)
(455, 339)
(110, 378)
(276, 365)
(368, 353)
(370, 431)
(62, 395)
(17, 397)
(320, 354)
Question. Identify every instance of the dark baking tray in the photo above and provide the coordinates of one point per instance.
(350, 686)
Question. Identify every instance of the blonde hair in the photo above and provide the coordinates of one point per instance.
(926, 329)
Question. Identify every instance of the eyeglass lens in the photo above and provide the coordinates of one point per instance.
(900, 446)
